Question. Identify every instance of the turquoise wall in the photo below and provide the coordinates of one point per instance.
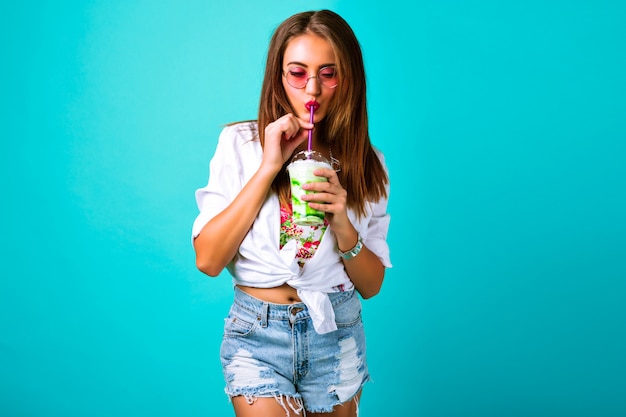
(503, 127)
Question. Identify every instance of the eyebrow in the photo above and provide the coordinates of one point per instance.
(306, 66)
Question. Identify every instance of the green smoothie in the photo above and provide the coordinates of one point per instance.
(301, 172)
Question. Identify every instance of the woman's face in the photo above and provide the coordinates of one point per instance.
(309, 57)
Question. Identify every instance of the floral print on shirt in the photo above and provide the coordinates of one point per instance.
(307, 237)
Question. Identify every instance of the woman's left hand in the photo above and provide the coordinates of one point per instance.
(329, 197)
(365, 270)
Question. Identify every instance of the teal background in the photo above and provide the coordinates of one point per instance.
(503, 128)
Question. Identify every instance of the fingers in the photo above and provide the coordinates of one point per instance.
(282, 137)
(329, 194)
(331, 174)
(287, 127)
(332, 185)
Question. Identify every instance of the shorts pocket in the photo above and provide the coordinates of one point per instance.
(239, 325)
(348, 312)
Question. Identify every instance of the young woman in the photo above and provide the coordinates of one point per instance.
(293, 340)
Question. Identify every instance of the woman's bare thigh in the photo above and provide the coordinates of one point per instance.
(266, 407)
(271, 407)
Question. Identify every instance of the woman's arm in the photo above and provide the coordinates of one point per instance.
(366, 270)
(219, 239)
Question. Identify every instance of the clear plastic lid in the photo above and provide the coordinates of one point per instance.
(307, 155)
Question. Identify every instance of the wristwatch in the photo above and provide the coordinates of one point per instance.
(355, 250)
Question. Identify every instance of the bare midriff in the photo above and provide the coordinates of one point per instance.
(277, 295)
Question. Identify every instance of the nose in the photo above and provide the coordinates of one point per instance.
(313, 86)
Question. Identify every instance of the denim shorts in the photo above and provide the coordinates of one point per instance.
(272, 350)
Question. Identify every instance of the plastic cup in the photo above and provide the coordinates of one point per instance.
(300, 171)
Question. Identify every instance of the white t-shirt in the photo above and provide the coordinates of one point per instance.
(260, 262)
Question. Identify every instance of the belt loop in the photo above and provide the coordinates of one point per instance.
(264, 311)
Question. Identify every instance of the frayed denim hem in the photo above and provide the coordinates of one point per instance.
(294, 402)
(354, 398)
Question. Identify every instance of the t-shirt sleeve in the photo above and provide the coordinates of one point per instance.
(224, 181)
(378, 226)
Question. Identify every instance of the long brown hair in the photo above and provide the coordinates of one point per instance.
(345, 127)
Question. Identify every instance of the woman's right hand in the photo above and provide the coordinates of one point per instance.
(219, 239)
(282, 137)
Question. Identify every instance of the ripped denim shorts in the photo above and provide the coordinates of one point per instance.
(272, 350)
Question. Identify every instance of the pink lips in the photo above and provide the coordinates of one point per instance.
(313, 104)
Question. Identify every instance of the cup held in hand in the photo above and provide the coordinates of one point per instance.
(301, 172)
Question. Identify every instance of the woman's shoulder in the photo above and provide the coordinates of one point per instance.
(241, 140)
(241, 131)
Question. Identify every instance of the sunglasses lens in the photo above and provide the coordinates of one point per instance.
(328, 76)
(297, 77)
